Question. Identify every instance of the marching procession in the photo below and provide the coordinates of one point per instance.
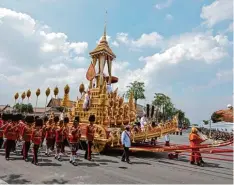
(33, 131)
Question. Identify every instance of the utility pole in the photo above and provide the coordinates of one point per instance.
(210, 129)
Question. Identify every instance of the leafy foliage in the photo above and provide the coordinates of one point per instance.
(166, 110)
(23, 108)
(206, 122)
(138, 89)
(215, 118)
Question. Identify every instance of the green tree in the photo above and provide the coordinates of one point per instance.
(164, 105)
(186, 122)
(181, 116)
(23, 108)
(206, 122)
(138, 89)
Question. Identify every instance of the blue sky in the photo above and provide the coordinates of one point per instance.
(181, 48)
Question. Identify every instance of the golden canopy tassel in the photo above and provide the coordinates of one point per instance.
(38, 92)
(47, 94)
(56, 91)
(66, 102)
(16, 96)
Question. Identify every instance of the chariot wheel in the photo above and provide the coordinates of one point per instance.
(99, 139)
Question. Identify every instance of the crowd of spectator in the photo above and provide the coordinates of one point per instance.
(217, 134)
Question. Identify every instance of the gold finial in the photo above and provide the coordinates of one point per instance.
(104, 35)
(105, 28)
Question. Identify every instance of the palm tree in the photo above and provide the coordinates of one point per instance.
(181, 116)
(186, 122)
(138, 89)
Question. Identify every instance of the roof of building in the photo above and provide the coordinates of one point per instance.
(5, 108)
(56, 102)
(139, 110)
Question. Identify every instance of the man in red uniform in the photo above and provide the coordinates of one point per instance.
(66, 133)
(74, 139)
(36, 139)
(50, 134)
(56, 120)
(59, 138)
(3, 125)
(90, 137)
(195, 141)
(26, 136)
(45, 120)
(11, 133)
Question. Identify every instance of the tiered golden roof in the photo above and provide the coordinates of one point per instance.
(103, 47)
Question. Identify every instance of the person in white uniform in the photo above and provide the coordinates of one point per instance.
(87, 102)
(167, 140)
(143, 122)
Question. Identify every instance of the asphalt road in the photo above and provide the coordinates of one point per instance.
(147, 168)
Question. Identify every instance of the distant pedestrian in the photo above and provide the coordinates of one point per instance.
(126, 142)
(167, 140)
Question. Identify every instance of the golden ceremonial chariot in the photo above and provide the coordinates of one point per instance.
(110, 110)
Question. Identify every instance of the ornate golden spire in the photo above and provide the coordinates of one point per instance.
(104, 34)
(103, 45)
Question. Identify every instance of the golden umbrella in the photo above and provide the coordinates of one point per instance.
(66, 92)
(56, 91)
(81, 88)
(38, 92)
(47, 94)
(23, 95)
(28, 94)
(16, 96)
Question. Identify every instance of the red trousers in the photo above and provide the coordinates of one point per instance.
(26, 147)
(88, 151)
(195, 155)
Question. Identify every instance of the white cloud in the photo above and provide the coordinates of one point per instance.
(151, 40)
(34, 57)
(115, 43)
(188, 47)
(230, 27)
(225, 75)
(146, 40)
(122, 38)
(165, 4)
(169, 17)
(221, 77)
(216, 12)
